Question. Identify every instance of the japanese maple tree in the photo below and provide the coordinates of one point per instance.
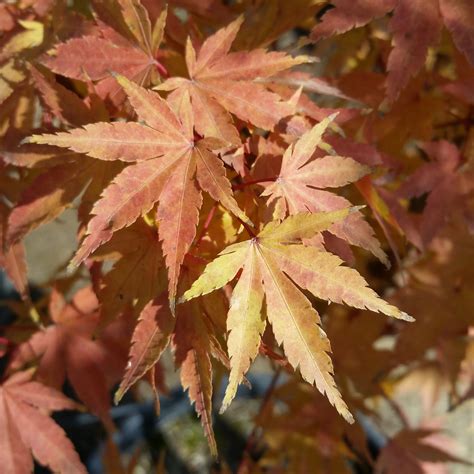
(249, 179)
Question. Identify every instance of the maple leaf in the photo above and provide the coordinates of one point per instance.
(13, 260)
(67, 349)
(62, 103)
(415, 28)
(297, 187)
(139, 253)
(442, 179)
(63, 175)
(312, 430)
(265, 22)
(150, 338)
(47, 197)
(458, 16)
(410, 451)
(346, 15)
(361, 362)
(12, 257)
(273, 263)
(161, 186)
(416, 25)
(438, 288)
(428, 440)
(130, 49)
(172, 168)
(221, 82)
(193, 340)
(55, 188)
(26, 429)
(463, 86)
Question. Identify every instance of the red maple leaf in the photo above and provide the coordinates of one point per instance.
(66, 349)
(416, 25)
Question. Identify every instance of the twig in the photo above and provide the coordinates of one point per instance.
(254, 181)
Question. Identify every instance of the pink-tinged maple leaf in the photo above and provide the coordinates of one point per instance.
(443, 181)
(416, 25)
(301, 182)
(26, 429)
(130, 50)
(221, 82)
(363, 153)
(171, 168)
(438, 288)
(347, 14)
(463, 86)
(66, 349)
(413, 451)
(458, 16)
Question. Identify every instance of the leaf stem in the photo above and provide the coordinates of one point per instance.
(206, 224)
(254, 181)
(247, 227)
(161, 69)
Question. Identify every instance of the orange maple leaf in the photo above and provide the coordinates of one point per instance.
(221, 82)
(130, 48)
(172, 167)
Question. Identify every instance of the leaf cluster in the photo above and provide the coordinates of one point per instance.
(233, 204)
